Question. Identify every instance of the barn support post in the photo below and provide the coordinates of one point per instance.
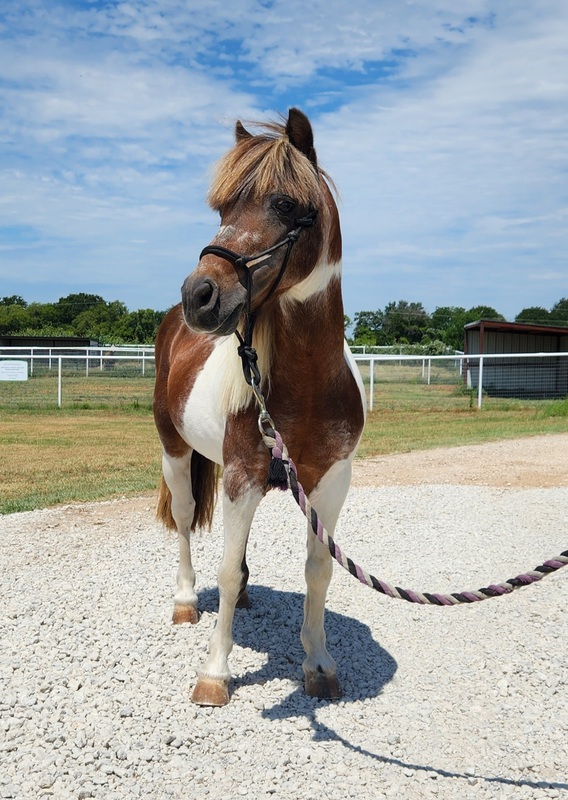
(480, 383)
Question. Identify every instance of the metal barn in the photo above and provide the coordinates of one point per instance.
(46, 341)
(518, 376)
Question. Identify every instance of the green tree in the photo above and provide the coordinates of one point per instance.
(367, 327)
(139, 327)
(559, 312)
(42, 315)
(484, 312)
(13, 300)
(404, 322)
(13, 319)
(534, 315)
(69, 307)
(448, 322)
(101, 321)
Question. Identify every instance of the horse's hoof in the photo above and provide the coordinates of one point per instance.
(185, 614)
(323, 686)
(211, 692)
(243, 600)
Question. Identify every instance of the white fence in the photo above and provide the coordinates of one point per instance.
(88, 357)
(519, 375)
(527, 376)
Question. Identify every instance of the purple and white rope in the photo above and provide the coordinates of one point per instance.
(280, 453)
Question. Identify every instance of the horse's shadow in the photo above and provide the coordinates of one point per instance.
(272, 625)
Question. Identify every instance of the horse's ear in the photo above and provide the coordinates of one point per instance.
(299, 131)
(241, 132)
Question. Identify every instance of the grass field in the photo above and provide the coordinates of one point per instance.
(103, 443)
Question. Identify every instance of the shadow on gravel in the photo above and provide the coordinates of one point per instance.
(272, 626)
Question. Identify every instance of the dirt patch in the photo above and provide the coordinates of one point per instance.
(537, 461)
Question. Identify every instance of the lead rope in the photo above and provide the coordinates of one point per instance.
(283, 474)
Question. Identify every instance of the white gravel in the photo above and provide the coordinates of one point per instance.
(466, 702)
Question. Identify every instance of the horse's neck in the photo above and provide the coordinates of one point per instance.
(308, 337)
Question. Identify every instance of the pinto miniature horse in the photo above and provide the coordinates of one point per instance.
(268, 190)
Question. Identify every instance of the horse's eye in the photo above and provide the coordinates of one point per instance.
(284, 205)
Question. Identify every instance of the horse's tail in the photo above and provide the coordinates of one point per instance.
(164, 506)
(204, 479)
(204, 482)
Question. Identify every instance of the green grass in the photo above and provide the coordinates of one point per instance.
(103, 443)
(417, 417)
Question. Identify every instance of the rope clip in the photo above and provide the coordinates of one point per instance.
(265, 422)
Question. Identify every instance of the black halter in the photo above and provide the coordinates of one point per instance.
(241, 263)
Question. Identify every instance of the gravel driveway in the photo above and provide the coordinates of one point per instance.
(465, 702)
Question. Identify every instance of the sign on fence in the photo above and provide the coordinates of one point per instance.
(13, 370)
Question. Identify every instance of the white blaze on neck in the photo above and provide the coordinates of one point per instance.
(316, 282)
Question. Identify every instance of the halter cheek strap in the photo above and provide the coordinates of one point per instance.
(246, 266)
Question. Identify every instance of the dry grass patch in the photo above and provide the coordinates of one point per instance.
(51, 458)
(48, 457)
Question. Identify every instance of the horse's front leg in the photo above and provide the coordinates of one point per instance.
(176, 473)
(212, 688)
(319, 667)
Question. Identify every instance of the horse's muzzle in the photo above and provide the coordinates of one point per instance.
(208, 309)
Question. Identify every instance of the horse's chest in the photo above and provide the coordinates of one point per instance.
(202, 419)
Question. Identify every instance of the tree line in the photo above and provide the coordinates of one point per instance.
(82, 314)
(408, 323)
(401, 323)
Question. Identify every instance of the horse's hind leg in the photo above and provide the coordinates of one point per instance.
(177, 475)
(319, 667)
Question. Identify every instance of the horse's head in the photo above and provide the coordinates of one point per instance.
(279, 234)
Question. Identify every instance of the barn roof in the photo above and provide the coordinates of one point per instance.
(516, 327)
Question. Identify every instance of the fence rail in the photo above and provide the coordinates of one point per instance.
(527, 376)
(72, 373)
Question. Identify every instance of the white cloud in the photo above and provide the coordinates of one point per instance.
(451, 162)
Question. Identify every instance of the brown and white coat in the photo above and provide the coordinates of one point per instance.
(204, 410)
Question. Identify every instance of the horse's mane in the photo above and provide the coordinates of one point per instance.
(264, 164)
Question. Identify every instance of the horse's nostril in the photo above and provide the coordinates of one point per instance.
(204, 293)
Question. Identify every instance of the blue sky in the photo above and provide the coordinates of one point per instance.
(443, 123)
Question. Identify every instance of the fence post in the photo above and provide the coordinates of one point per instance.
(429, 370)
(59, 360)
(480, 383)
(371, 382)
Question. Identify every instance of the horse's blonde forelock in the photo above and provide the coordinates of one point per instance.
(264, 164)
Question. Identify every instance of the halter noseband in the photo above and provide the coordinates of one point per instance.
(241, 264)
